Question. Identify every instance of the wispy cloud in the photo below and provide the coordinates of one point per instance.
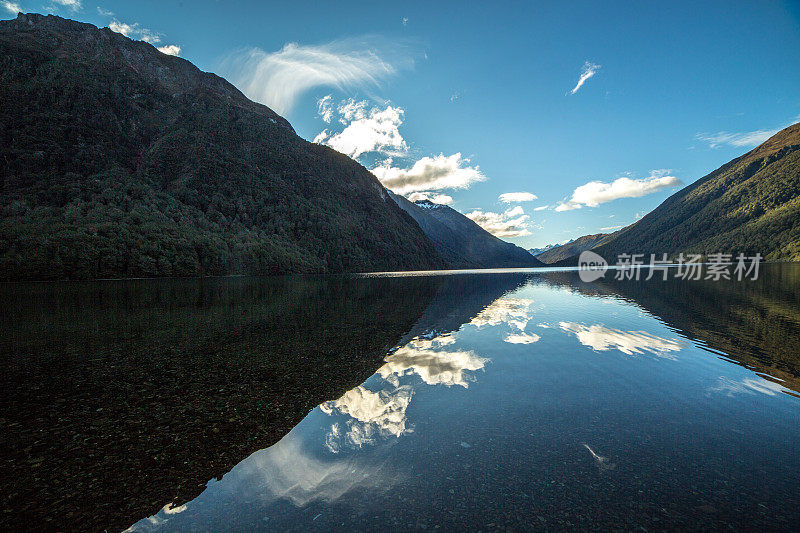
(12, 7)
(104, 12)
(511, 223)
(277, 79)
(429, 174)
(366, 130)
(589, 69)
(74, 5)
(516, 197)
(595, 193)
(742, 139)
(739, 140)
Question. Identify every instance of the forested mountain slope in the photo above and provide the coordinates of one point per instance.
(749, 205)
(574, 247)
(118, 160)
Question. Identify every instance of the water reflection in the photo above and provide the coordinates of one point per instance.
(601, 338)
(462, 401)
(310, 465)
(145, 390)
(750, 385)
(432, 362)
(351, 456)
(753, 323)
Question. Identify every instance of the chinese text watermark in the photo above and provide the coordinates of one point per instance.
(718, 266)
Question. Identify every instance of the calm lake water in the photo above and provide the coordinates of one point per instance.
(521, 400)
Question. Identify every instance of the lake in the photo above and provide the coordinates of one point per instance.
(495, 400)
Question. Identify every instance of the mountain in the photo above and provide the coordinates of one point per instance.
(536, 251)
(749, 205)
(573, 247)
(118, 160)
(462, 242)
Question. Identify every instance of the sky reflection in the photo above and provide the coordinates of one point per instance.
(460, 416)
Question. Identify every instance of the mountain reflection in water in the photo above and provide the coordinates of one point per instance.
(557, 404)
(489, 400)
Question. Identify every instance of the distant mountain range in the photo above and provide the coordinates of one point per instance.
(750, 205)
(118, 161)
(536, 251)
(573, 247)
(462, 242)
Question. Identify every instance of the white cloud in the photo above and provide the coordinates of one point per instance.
(512, 223)
(104, 12)
(134, 31)
(436, 198)
(541, 208)
(589, 69)
(74, 5)
(739, 140)
(514, 197)
(121, 27)
(325, 108)
(404, 21)
(277, 79)
(610, 228)
(372, 415)
(429, 173)
(351, 109)
(433, 364)
(515, 211)
(12, 7)
(170, 49)
(522, 338)
(595, 193)
(514, 312)
(567, 206)
(601, 338)
(373, 130)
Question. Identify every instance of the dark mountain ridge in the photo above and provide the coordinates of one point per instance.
(573, 247)
(462, 242)
(120, 161)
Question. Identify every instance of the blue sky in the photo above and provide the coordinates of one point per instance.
(465, 102)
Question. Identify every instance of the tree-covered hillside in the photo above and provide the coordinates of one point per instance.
(118, 160)
(574, 247)
(749, 205)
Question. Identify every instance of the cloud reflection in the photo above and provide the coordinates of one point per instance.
(756, 385)
(522, 338)
(431, 363)
(601, 338)
(513, 311)
(371, 415)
